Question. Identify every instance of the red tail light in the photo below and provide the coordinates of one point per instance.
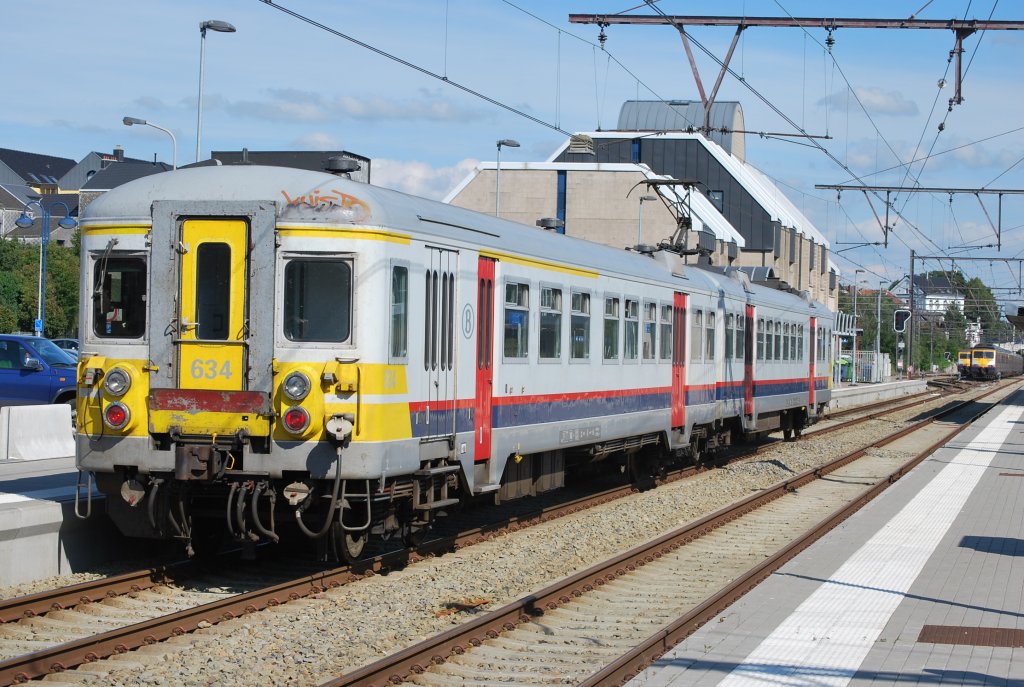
(296, 420)
(116, 416)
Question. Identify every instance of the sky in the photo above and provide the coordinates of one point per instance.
(75, 69)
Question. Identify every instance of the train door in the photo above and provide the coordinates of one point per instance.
(748, 363)
(810, 370)
(213, 304)
(439, 350)
(482, 411)
(678, 359)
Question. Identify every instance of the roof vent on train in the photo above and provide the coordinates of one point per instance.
(341, 166)
(552, 224)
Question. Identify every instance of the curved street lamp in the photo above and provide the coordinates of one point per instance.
(212, 25)
(129, 121)
(24, 221)
(508, 143)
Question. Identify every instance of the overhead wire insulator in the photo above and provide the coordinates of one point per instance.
(830, 41)
(602, 36)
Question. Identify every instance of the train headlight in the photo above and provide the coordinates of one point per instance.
(117, 415)
(296, 386)
(117, 382)
(296, 420)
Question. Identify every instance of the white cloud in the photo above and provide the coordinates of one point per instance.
(317, 140)
(419, 178)
(290, 104)
(876, 101)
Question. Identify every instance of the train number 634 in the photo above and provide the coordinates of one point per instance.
(208, 369)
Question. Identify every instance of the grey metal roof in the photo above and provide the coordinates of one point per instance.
(117, 173)
(16, 196)
(686, 115)
(35, 168)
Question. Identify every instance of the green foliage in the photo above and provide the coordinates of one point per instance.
(19, 288)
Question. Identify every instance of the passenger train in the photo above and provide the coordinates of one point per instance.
(270, 350)
(994, 362)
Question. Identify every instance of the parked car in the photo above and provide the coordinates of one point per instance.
(35, 371)
(69, 345)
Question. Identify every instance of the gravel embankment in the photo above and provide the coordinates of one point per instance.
(307, 642)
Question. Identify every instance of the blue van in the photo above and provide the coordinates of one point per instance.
(34, 370)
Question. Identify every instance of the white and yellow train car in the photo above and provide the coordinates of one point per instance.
(264, 345)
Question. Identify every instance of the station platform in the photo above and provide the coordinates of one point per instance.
(922, 586)
(848, 395)
(39, 533)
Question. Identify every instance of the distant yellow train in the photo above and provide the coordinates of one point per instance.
(993, 362)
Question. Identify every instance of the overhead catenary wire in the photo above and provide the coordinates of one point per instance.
(413, 66)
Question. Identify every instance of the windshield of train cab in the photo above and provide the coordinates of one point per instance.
(119, 296)
(318, 299)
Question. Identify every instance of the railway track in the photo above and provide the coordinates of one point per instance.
(624, 613)
(137, 599)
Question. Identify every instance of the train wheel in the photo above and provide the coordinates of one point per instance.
(347, 545)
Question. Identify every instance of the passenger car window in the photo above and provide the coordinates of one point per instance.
(611, 328)
(580, 325)
(318, 300)
(550, 323)
(399, 311)
(517, 320)
(119, 297)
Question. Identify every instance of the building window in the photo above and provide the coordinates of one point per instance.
(550, 323)
(580, 326)
(517, 320)
(717, 199)
(611, 328)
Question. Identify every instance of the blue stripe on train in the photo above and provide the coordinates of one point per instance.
(518, 414)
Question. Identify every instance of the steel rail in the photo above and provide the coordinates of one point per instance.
(402, 665)
(76, 652)
(88, 592)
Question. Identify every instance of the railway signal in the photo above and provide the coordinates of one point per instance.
(899, 320)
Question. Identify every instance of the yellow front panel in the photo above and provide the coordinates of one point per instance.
(213, 305)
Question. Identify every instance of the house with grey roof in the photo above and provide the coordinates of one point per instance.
(41, 172)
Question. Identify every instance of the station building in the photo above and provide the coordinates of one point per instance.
(654, 181)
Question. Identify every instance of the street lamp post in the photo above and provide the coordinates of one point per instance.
(878, 333)
(129, 121)
(213, 25)
(508, 143)
(856, 288)
(640, 220)
(24, 221)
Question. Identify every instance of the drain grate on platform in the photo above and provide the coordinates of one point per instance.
(972, 636)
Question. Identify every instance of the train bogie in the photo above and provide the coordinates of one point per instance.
(266, 344)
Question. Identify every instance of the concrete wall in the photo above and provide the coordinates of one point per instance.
(598, 209)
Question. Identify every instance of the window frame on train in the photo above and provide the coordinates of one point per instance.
(649, 332)
(630, 329)
(665, 317)
(579, 313)
(612, 320)
(398, 322)
(288, 315)
(102, 309)
(550, 314)
(520, 307)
